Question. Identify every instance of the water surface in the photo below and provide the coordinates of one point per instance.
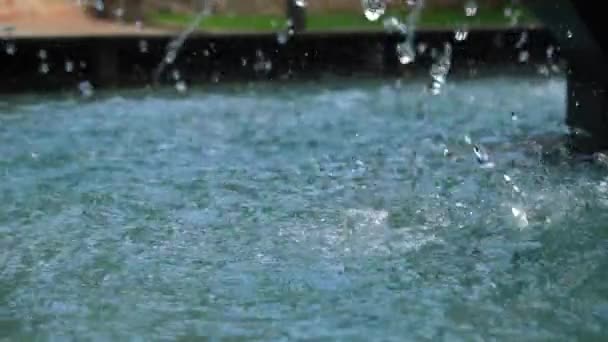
(299, 211)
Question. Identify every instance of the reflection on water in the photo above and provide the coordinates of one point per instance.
(269, 212)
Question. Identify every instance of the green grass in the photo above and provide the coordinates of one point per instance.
(436, 18)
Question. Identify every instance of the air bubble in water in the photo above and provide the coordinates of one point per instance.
(181, 86)
(85, 88)
(523, 56)
(69, 66)
(373, 9)
(143, 46)
(10, 48)
(470, 8)
(461, 34)
(44, 68)
(406, 53)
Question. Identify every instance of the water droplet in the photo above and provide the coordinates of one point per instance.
(181, 86)
(514, 116)
(86, 88)
(577, 104)
(373, 9)
(523, 39)
(99, 5)
(550, 52)
(569, 34)
(176, 75)
(543, 70)
(446, 152)
(43, 68)
(143, 46)
(282, 37)
(406, 53)
(507, 178)
(42, 54)
(69, 66)
(421, 48)
(440, 69)
(243, 61)
(170, 57)
(467, 139)
(523, 56)
(119, 12)
(301, 3)
(393, 24)
(520, 215)
(461, 34)
(10, 48)
(470, 8)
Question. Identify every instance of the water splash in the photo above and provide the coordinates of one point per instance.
(172, 49)
(470, 8)
(440, 69)
(520, 216)
(86, 89)
(373, 9)
(262, 65)
(405, 50)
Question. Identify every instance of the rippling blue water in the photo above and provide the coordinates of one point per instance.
(275, 212)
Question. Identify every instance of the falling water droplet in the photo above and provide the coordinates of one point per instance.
(69, 66)
(170, 57)
(181, 86)
(421, 48)
(119, 13)
(523, 39)
(569, 34)
(10, 48)
(406, 53)
(143, 46)
(373, 9)
(99, 5)
(461, 34)
(550, 51)
(470, 8)
(520, 216)
(86, 88)
(176, 75)
(301, 3)
(440, 69)
(42, 54)
(507, 178)
(523, 56)
(282, 37)
(43, 68)
(393, 24)
(243, 61)
(467, 139)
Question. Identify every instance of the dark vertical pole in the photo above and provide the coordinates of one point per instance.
(297, 15)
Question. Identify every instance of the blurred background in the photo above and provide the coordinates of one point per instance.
(81, 17)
